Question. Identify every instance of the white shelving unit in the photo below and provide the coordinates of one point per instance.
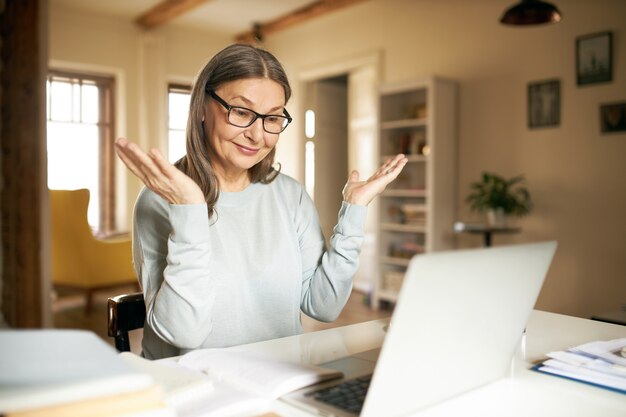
(417, 210)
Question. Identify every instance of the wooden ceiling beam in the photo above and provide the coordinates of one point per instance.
(311, 11)
(166, 11)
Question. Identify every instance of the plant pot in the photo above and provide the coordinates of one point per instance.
(496, 217)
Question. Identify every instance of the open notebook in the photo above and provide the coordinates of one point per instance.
(455, 327)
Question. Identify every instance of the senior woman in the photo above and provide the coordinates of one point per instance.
(227, 249)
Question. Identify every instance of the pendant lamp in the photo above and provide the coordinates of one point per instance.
(531, 12)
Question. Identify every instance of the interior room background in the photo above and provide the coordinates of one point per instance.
(574, 172)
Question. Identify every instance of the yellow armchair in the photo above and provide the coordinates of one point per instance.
(79, 259)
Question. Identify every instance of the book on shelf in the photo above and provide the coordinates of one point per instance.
(249, 382)
(66, 372)
(600, 363)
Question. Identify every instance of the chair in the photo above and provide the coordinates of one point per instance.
(124, 313)
(79, 259)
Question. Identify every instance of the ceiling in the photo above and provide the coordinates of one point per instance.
(230, 17)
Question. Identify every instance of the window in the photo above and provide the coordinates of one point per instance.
(309, 153)
(80, 141)
(178, 97)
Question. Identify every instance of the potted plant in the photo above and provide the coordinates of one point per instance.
(499, 198)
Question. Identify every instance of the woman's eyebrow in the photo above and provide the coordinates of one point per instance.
(250, 103)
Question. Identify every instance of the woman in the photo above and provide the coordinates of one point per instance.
(227, 249)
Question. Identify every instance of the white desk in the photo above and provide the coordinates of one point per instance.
(523, 393)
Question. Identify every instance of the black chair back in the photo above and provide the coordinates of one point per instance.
(124, 313)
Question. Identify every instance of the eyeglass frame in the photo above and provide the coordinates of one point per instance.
(228, 107)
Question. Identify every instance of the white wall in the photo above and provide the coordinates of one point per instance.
(575, 174)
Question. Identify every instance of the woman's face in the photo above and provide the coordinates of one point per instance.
(238, 149)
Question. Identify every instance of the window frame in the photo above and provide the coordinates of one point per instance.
(106, 138)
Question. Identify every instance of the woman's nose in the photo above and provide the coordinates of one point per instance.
(256, 130)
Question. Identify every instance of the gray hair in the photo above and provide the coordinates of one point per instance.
(235, 62)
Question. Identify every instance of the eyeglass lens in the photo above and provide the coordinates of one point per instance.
(242, 117)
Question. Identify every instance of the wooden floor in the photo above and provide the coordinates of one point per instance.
(69, 312)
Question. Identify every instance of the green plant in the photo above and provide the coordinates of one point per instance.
(493, 192)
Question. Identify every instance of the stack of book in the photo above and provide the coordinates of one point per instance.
(601, 363)
(49, 373)
(414, 214)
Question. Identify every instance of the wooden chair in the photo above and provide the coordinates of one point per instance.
(124, 313)
(78, 259)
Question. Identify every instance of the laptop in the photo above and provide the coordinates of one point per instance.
(456, 325)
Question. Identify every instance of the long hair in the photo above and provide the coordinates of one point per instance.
(235, 62)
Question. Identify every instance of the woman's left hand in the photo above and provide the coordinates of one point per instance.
(363, 192)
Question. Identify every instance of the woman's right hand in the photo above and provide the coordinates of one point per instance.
(158, 174)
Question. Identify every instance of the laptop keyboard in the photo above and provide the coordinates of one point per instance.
(349, 395)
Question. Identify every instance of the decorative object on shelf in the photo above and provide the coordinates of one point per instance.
(412, 143)
(613, 117)
(419, 111)
(594, 60)
(392, 280)
(531, 12)
(544, 103)
(405, 250)
(499, 198)
(414, 214)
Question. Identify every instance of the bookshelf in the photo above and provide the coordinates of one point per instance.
(417, 118)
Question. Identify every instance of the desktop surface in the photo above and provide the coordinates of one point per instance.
(523, 393)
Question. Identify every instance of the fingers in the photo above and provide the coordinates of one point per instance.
(149, 168)
(390, 169)
(395, 165)
(354, 176)
(126, 156)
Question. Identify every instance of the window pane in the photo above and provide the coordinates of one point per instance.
(178, 110)
(73, 161)
(89, 104)
(309, 124)
(309, 167)
(61, 101)
(75, 102)
(176, 148)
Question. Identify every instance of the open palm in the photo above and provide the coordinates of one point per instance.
(363, 192)
(158, 174)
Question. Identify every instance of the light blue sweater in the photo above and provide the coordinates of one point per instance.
(245, 274)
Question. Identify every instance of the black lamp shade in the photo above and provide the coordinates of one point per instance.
(531, 12)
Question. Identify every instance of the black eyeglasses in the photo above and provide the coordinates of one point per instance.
(243, 117)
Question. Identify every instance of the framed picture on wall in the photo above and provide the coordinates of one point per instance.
(544, 104)
(594, 58)
(613, 118)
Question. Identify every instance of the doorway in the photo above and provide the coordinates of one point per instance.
(327, 156)
(344, 99)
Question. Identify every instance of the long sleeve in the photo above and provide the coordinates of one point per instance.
(327, 272)
(172, 257)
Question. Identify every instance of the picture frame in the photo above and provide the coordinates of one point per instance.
(544, 103)
(594, 58)
(613, 117)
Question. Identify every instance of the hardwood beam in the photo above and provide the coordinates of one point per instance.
(23, 195)
(311, 11)
(166, 11)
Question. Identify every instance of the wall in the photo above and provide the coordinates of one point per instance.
(575, 174)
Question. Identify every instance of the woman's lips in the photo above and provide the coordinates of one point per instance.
(245, 150)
